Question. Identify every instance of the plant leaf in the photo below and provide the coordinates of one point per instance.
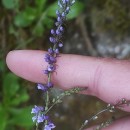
(51, 11)
(40, 4)
(3, 120)
(21, 97)
(10, 4)
(25, 18)
(76, 9)
(10, 85)
(38, 29)
(22, 117)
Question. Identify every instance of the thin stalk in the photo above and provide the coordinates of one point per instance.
(36, 126)
(92, 118)
(47, 93)
(52, 105)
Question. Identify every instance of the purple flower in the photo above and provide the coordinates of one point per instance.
(52, 31)
(42, 87)
(51, 68)
(58, 32)
(46, 72)
(52, 40)
(63, 14)
(59, 19)
(61, 29)
(49, 126)
(49, 58)
(37, 109)
(58, 13)
(38, 117)
(57, 51)
(49, 84)
(52, 59)
(60, 45)
(50, 50)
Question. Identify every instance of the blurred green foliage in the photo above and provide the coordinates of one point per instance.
(37, 15)
(12, 96)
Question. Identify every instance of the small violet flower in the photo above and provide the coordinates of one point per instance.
(49, 126)
(38, 117)
(42, 87)
(37, 109)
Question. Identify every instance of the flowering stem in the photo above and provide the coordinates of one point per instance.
(52, 105)
(62, 95)
(93, 118)
(110, 108)
(51, 58)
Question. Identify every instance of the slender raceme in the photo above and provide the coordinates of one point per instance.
(51, 58)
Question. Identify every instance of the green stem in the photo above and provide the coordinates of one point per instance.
(36, 126)
(47, 93)
(47, 100)
(53, 105)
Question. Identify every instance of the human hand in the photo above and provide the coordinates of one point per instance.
(106, 79)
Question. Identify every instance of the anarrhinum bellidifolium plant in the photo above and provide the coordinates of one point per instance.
(41, 112)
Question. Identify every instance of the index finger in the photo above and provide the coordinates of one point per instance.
(106, 78)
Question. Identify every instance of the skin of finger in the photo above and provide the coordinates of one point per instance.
(122, 124)
(107, 79)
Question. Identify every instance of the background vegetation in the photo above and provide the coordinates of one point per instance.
(25, 25)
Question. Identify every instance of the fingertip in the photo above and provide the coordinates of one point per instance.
(23, 62)
(9, 58)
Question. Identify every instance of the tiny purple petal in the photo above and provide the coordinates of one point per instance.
(52, 39)
(49, 126)
(57, 51)
(57, 12)
(50, 50)
(60, 45)
(40, 118)
(47, 55)
(52, 59)
(42, 87)
(51, 68)
(52, 31)
(67, 1)
(37, 109)
(47, 60)
(58, 32)
(59, 19)
(46, 71)
(61, 29)
(63, 14)
(49, 85)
